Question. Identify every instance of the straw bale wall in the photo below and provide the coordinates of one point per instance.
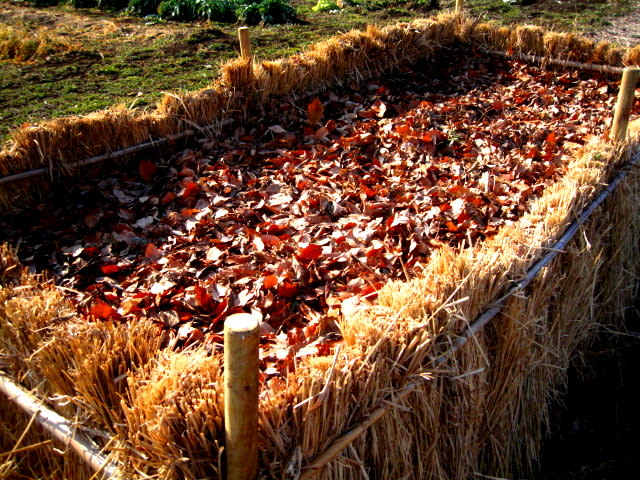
(357, 55)
(451, 412)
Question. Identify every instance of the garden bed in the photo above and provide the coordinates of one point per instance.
(366, 224)
(313, 203)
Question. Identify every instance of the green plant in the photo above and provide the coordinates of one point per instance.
(84, 3)
(112, 5)
(249, 13)
(143, 7)
(325, 6)
(217, 10)
(178, 9)
(276, 12)
(44, 3)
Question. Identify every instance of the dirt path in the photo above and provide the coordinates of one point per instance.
(623, 30)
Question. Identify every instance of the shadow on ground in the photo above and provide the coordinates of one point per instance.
(596, 436)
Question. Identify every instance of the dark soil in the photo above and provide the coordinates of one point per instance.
(595, 435)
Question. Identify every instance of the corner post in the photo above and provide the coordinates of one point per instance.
(245, 42)
(624, 105)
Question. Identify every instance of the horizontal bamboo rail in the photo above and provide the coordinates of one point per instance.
(60, 428)
(558, 63)
(38, 172)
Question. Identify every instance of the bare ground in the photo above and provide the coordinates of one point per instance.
(624, 30)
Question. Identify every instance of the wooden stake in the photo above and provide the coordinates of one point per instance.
(245, 42)
(459, 7)
(626, 97)
(241, 338)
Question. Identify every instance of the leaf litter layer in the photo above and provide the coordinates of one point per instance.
(307, 207)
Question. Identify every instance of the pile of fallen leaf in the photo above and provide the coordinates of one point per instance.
(309, 207)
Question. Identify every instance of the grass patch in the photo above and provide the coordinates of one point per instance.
(578, 15)
(117, 59)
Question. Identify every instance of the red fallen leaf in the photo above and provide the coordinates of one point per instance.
(269, 281)
(565, 79)
(287, 289)
(213, 337)
(168, 198)
(369, 192)
(102, 311)
(310, 252)
(204, 299)
(367, 113)
(189, 212)
(147, 169)
(403, 129)
(324, 349)
(397, 220)
(130, 305)
(92, 220)
(296, 337)
(533, 152)
(278, 161)
(452, 226)
(310, 330)
(434, 136)
(220, 311)
(194, 337)
(187, 172)
(551, 139)
(190, 189)
(321, 133)
(91, 251)
(151, 252)
(109, 269)
(375, 250)
(498, 106)
(113, 296)
(270, 240)
(315, 111)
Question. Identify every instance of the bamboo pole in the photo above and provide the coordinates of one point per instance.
(38, 172)
(624, 105)
(245, 42)
(609, 69)
(345, 440)
(60, 428)
(241, 338)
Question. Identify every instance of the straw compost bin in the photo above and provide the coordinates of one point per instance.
(401, 381)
